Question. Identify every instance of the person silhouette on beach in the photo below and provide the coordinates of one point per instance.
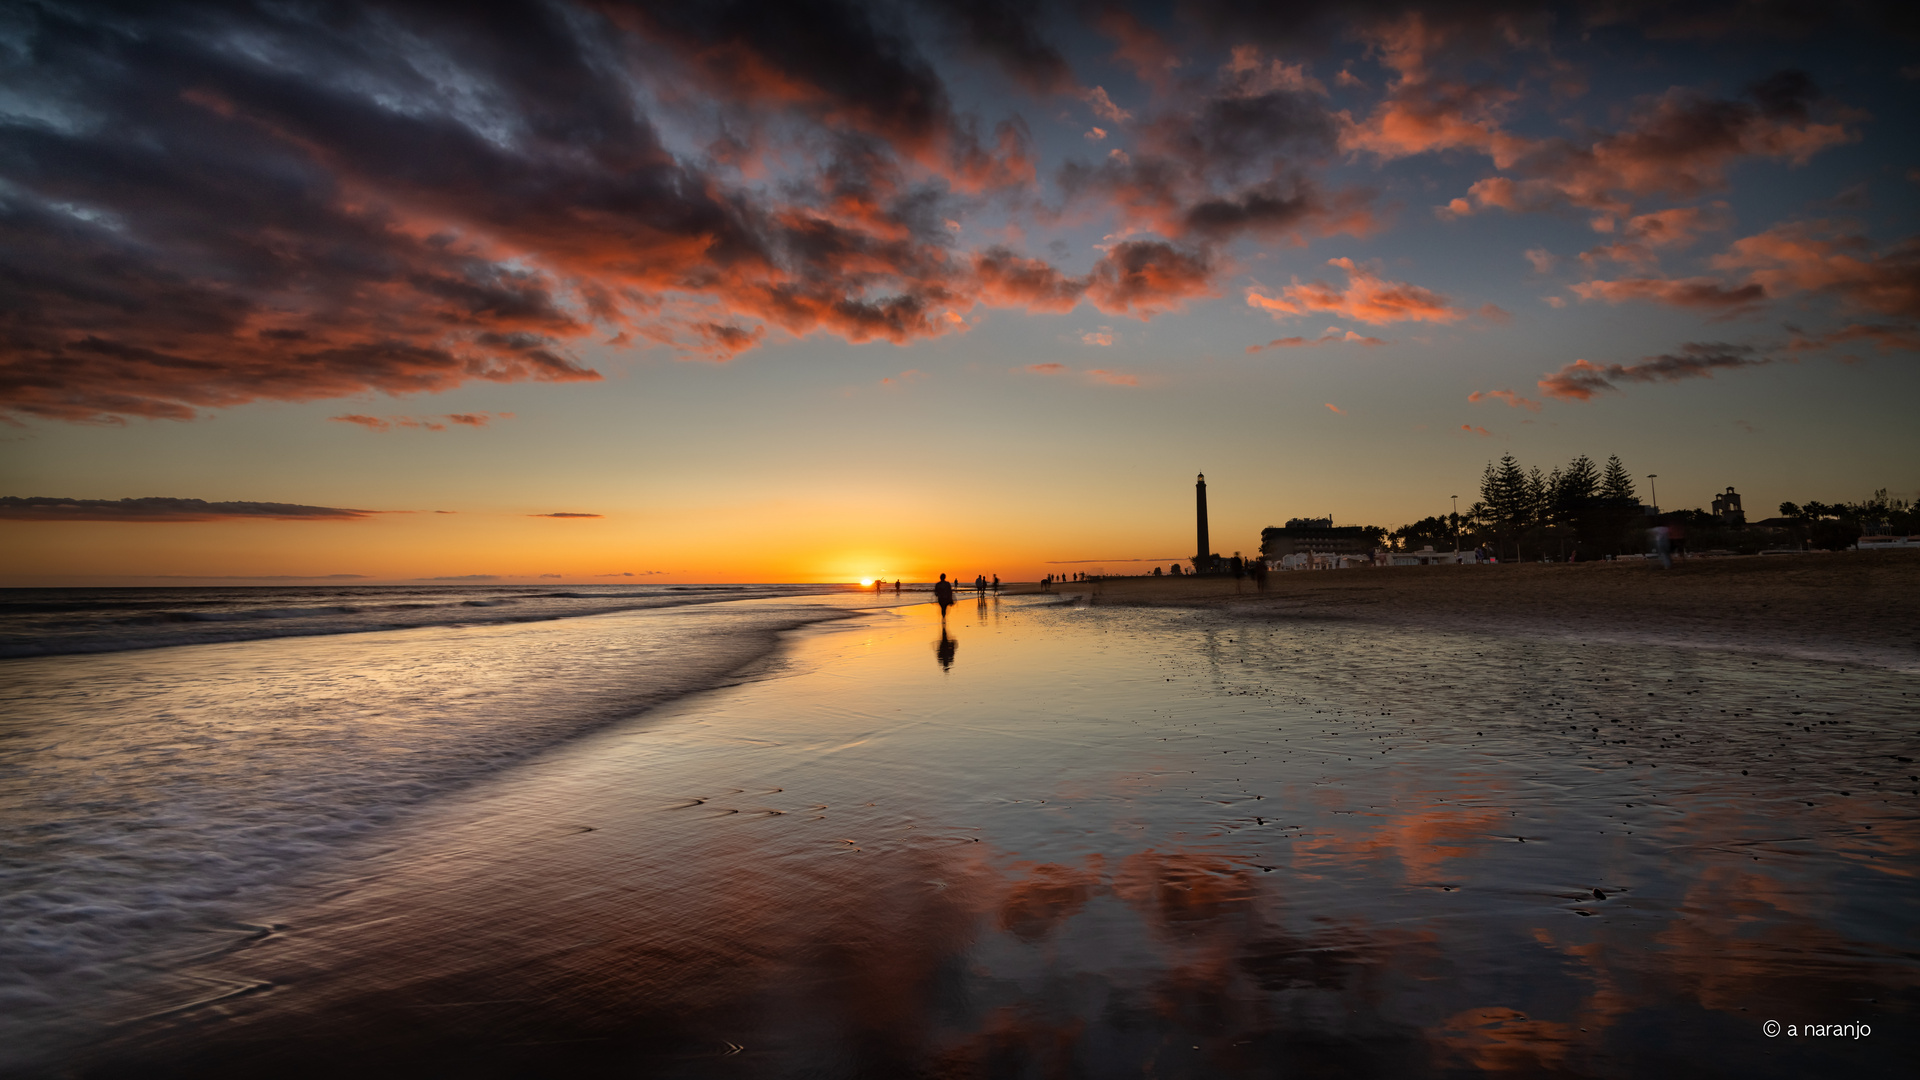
(943, 595)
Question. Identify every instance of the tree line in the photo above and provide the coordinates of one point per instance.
(1581, 509)
(1841, 524)
(1587, 510)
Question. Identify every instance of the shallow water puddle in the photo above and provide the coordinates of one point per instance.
(1044, 839)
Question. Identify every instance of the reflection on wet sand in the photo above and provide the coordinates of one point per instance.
(1122, 843)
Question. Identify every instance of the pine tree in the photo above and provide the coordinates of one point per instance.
(1617, 484)
(1580, 481)
(1537, 490)
(1504, 489)
(1577, 484)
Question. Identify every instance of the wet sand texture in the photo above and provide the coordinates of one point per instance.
(1836, 605)
(1119, 842)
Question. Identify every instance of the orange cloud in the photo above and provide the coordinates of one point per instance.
(1103, 106)
(1422, 112)
(1419, 118)
(1647, 234)
(1367, 298)
(1003, 278)
(564, 514)
(1048, 369)
(1113, 378)
(1335, 409)
(1480, 431)
(1813, 257)
(1697, 292)
(1512, 399)
(1141, 278)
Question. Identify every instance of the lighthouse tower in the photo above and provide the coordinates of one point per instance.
(1202, 558)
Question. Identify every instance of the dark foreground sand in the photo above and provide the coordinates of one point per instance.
(1829, 606)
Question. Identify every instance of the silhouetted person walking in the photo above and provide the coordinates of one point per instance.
(943, 595)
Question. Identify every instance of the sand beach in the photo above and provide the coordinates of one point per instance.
(1084, 835)
(1836, 605)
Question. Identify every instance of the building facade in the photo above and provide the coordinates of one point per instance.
(1727, 508)
(1314, 536)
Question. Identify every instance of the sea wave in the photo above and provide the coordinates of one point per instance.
(57, 622)
(147, 798)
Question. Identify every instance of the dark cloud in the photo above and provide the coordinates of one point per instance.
(1581, 380)
(207, 204)
(1678, 145)
(1008, 33)
(1684, 292)
(215, 204)
(563, 514)
(13, 508)
(252, 577)
(428, 423)
(1785, 94)
(1257, 211)
(1885, 337)
(1246, 122)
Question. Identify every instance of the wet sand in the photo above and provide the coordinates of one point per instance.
(1058, 839)
(1838, 606)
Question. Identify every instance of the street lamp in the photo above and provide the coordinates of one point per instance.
(1654, 489)
(1456, 523)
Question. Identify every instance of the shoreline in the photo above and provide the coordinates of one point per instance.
(865, 865)
(229, 857)
(1840, 606)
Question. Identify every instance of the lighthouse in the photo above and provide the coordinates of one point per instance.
(1202, 558)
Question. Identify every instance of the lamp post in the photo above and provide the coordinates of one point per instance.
(1654, 489)
(1456, 523)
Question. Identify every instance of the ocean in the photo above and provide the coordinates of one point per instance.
(165, 753)
(773, 835)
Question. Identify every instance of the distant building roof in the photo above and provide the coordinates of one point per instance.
(1320, 538)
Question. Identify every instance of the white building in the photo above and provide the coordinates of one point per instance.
(1426, 556)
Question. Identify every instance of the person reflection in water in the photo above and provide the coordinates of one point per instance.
(945, 648)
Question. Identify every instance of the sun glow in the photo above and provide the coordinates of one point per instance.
(866, 581)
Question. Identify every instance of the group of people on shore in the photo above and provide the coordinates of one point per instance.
(943, 590)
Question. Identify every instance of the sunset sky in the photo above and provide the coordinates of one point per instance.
(801, 291)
